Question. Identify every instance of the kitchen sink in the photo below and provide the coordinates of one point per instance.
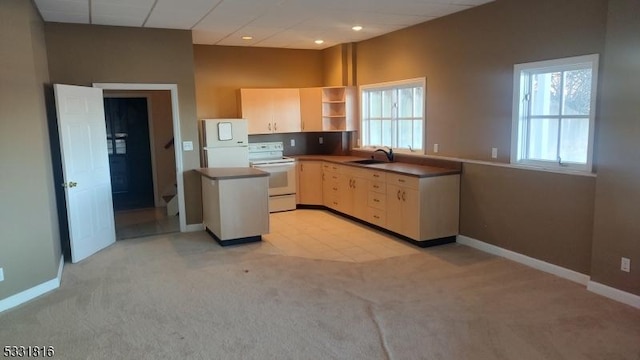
(367, 161)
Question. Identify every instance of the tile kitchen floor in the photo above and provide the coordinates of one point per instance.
(319, 234)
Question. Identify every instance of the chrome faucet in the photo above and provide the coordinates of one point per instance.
(389, 153)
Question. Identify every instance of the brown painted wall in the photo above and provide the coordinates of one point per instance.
(221, 70)
(616, 225)
(84, 54)
(333, 66)
(539, 214)
(467, 59)
(30, 237)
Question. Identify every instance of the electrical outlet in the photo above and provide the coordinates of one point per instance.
(1, 274)
(293, 142)
(320, 140)
(625, 264)
(435, 148)
(187, 145)
(494, 153)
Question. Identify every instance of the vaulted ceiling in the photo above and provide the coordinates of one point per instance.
(298, 24)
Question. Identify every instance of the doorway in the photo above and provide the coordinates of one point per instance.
(128, 144)
(175, 114)
(142, 161)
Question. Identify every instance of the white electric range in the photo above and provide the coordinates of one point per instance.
(269, 157)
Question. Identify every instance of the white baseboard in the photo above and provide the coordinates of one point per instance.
(194, 227)
(525, 260)
(614, 294)
(34, 292)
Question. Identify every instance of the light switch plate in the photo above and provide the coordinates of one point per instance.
(625, 264)
(436, 148)
(187, 145)
(494, 153)
(1, 274)
(293, 142)
(320, 140)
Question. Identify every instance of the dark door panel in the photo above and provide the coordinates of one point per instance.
(129, 152)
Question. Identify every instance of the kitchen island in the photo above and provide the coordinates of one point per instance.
(235, 204)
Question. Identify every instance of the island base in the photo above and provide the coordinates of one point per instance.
(238, 241)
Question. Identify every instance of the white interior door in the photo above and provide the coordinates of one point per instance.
(85, 165)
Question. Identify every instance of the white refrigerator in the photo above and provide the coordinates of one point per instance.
(226, 142)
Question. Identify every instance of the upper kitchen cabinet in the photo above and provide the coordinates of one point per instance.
(271, 110)
(311, 109)
(328, 109)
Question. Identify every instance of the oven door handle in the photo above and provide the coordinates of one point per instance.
(258, 166)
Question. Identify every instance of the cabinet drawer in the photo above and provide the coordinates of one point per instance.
(403, 180)
(378, 186)
(330, 167)
(331, 177)
(353, 171)
(377, 200)
(377, 217)
(375, 175)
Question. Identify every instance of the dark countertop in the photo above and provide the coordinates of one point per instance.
(402, 168)
(231, 173)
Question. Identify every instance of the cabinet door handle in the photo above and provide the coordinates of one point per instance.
(376, 187)
(301, 167)
(404, 197)
(398, 194)
(335, 188)
(376, 175)
(269, 126)
(376, 217)
(376, 200)
(401, 180)
(275, 126)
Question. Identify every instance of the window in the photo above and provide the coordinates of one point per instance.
(393, 114)
(553, 113)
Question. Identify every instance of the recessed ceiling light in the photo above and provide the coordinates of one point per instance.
(319, 41)
(247, 38)
(357, 28)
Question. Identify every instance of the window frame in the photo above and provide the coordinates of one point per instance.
(521, 118)
(396, 85)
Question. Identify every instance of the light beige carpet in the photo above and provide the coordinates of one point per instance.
(181, 296)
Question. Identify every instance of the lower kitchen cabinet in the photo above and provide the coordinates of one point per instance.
(331, 185)
(423, 208)
(309, 182)
(403, 211)
(418, 208)
(353, 194)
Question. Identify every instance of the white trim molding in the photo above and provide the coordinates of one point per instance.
(525, 260)
(32, 293)
(600, 289)
(614, 294)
